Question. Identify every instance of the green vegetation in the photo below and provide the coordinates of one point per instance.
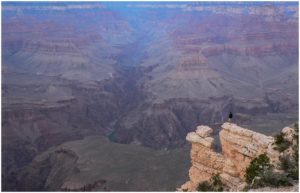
(272, 179)
(214, 185)
(296, 146)
(257, 167)
(281, 143)
(290, 163)
(261, 173)
(295, 168)
(217, 183)
(204, 187)
(289, 166)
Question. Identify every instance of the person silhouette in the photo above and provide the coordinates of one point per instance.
(230, 116)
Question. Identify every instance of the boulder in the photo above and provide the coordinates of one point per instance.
(204, 131)
(288, 133)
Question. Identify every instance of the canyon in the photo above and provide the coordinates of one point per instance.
(138, 74)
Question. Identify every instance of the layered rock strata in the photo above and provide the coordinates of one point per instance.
(239, 146)
(242, 145)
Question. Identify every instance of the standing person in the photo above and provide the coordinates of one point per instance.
(230, 116)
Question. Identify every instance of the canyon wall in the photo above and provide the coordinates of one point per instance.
(71, 71)
(239, 147)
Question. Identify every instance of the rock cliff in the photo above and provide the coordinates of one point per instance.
(239, 147)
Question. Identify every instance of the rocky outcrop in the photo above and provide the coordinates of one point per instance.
(239, 146)
(242, 145)
(288, 134)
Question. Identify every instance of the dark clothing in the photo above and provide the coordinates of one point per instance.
(230, 115)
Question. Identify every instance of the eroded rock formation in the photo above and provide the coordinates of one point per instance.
(239, 146)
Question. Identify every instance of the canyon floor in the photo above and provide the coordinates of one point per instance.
(121, 167)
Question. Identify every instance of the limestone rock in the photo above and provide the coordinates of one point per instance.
(195, 138)
(288, 133)
(242, 145)
(230, 168)
(239, 146)
(201, 136)
(230, 181)
(186, 186)
(204, 131)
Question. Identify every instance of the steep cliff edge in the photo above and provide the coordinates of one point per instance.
(239, 147)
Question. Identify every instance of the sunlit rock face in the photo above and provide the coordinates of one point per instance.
(239, 147)
(242, 145)
(206, 162)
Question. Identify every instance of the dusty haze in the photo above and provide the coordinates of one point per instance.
(79, 79)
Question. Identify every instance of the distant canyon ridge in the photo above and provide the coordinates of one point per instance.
(141, 73)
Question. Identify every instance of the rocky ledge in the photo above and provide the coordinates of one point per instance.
(239, 147)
